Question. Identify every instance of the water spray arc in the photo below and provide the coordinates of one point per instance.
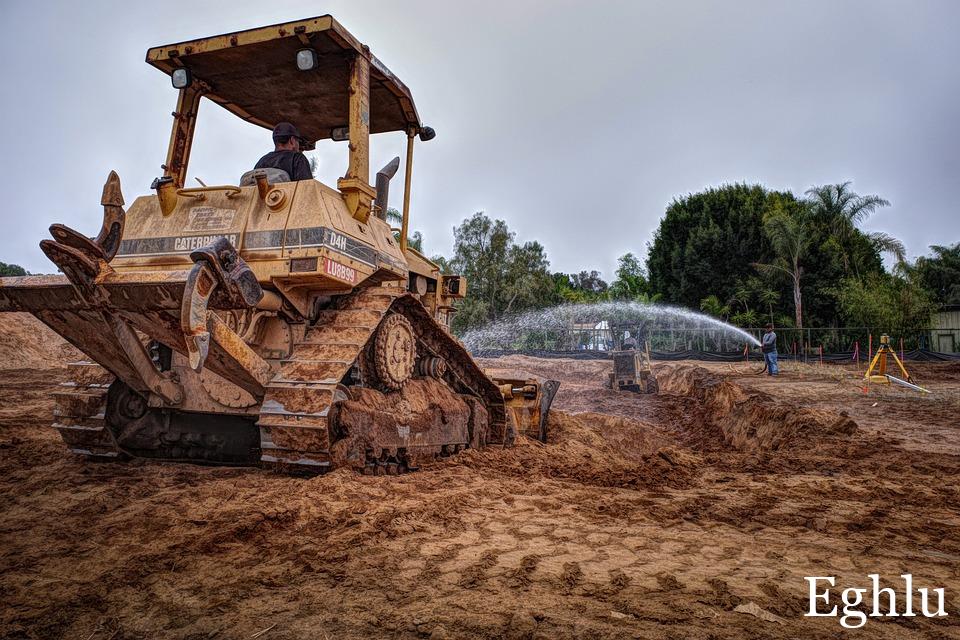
(508, 333)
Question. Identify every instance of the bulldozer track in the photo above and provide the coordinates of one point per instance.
(294, 417)
(79, 408)
(81, 416)
(364, 340)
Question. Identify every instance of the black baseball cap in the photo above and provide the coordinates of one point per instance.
(284, 130)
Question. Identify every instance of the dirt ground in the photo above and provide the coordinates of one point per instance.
(695, 513)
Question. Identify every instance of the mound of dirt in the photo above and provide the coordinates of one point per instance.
(749, 420)
(27, 343)
(595, 449)
(629, 438)
(759, 424)
(700, 384)
(566, 370)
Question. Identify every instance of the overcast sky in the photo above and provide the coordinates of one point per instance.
(577, 123)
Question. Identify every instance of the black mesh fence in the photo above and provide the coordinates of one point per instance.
(831, 344)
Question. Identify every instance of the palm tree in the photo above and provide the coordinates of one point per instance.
(712, 306)
(395, 217)
(839, 205)
(885, 242)
(746, 319)
(844, 210)
(788, 229)
(742, 292)
(415, 241)
(939, 272)
(769, 297)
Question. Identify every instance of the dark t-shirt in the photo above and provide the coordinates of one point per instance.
(293, 162)
(769, 342)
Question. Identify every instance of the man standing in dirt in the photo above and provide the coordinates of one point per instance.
(769, 348)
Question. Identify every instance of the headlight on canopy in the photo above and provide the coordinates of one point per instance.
(307, 59)
(181, 78)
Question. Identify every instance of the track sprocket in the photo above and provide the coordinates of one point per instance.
(394, 351)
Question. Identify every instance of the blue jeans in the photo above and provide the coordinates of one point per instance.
(771, 360)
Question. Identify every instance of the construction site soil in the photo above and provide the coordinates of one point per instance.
(695, 513)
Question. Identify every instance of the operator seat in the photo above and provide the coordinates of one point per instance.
(274, 176)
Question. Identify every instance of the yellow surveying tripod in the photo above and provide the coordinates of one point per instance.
(879, 363)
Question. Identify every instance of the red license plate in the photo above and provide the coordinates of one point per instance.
(339, 271)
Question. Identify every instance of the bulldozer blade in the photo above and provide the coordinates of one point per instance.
(548, 391)
(151, 302)
(527, 400)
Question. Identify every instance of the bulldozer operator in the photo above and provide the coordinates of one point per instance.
(286, 155)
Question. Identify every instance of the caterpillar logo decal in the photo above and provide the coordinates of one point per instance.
(275, 239)
(170, 244)
(190, 243)
(339, 271)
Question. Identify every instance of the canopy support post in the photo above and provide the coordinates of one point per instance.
(407, 172)
(181, 137)
(355, 186)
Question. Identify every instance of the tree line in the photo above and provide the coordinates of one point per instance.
(744, 253)
(11, 270)
(505, 276)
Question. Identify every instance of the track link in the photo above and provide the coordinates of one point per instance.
(79, 408)
(295, 416)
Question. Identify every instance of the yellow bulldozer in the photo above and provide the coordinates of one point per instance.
(632, 366)
(274, 322)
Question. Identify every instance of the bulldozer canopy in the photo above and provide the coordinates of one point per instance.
(254, 74)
